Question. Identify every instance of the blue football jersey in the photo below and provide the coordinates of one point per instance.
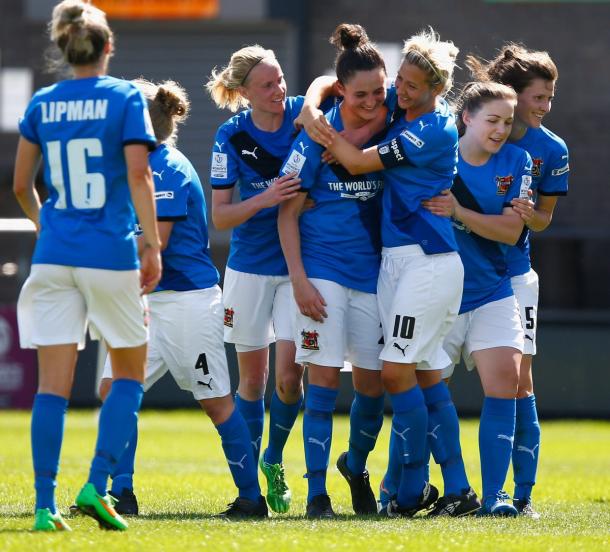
(179, 198)
(488, 189)
(420, 160)
(82, 126)
(252, 158)
(550, 170)
(340, 235)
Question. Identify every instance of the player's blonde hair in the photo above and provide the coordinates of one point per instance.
(80, 31)
(433, 56)
(224, 85)
(168, 104)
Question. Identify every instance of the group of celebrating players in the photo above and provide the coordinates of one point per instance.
(390, 232)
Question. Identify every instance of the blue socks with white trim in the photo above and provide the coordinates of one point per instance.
(117, 423)
(235, 436)
(253, 413)
(526, 447)
(365, 421)
(317, 436)
(47, 430)
(281, 420)
(496, 436)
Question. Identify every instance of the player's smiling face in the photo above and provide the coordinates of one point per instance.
(364, 93)
(534, 102)
(265, 87)
(488, 128)
(414, 92)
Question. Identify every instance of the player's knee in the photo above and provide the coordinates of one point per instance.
(253, 383)
(289, 386)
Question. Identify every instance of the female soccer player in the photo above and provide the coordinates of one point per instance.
(488, 330)
(532, 74)
(93, 133)
(333, 255)
(420, 282)
(186, 314)
(249, 149)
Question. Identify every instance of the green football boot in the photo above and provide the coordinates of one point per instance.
(100, 508)
(278, 493)
(46, 521)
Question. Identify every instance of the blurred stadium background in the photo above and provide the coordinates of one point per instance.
(184, 39)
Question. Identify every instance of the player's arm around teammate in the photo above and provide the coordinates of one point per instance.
(488, 331)
(533, 75)
(101, 126)
(420, 279)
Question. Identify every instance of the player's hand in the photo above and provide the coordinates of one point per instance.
(309, 300)
(315, 124)
(443, 205)
(525, 208)
(329, 158)
(150, 268)
(284, 188)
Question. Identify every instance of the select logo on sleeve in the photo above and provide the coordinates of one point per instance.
(219, 165)
(164, 195)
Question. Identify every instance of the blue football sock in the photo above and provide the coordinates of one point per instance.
(118, 421)
(122, 477)
(253, 413)
(47, 431)
(409, 424)
(496, 436)
(281, 419)
(444, 438)
(317, 436)
(526, 447)
(365, 421)
(235, 437)
(391, 479)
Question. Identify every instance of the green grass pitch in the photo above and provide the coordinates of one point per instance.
(182, 480)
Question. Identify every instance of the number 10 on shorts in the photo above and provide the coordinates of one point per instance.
(403, 326)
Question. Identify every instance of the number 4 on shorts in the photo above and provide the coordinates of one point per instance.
(203, 364)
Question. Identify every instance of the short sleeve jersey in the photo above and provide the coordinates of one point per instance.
(550, 170)
(81, 127)
(179, 198)
(420, 158)
(340, 238)
(252, 158)
(488, 189)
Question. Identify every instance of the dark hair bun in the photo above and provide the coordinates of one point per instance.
(348, 37)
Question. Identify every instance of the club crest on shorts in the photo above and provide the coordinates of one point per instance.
(309, 340)
(503, 183)
(537, 163)
(228, 320)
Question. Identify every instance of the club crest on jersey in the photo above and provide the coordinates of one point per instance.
(228, 319)
(309, 340)
(503, 183)
(537, 163)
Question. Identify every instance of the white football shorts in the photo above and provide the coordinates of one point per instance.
(186, 338)
(525, 287)
(57, 303)
(419, 299)
(257, 309)
(351, 332)
(495, 324)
